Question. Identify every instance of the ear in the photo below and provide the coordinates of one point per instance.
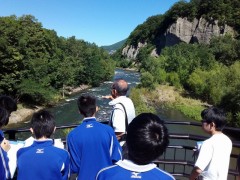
(212, 124)
(31, 129)
(97, 108)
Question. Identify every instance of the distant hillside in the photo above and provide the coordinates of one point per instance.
(196, 21)
(115, 46)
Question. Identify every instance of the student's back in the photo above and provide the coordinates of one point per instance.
(42, 161)
(147, 139)
(126, 170)
(92, 145)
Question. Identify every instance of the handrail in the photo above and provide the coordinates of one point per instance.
(164, 161)
(9, 131)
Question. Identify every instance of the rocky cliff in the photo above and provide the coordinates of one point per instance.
(183, 30)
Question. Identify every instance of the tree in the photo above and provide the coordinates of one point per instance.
(147, 80)
(225, 49)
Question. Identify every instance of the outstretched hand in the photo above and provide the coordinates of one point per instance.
(107, 97)
(5, 145)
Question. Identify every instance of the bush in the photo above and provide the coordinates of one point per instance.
(32, 92)
(173, 79)
(147, 80)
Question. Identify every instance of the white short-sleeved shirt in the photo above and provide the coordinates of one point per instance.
(118, 114)
(214, 157)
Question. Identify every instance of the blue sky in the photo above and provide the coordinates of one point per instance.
(103, 22)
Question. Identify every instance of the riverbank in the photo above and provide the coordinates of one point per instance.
(24, 113)
(165, 96)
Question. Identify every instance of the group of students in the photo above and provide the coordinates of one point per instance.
(93, 149)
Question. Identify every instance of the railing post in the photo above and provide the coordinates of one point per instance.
(11, 134)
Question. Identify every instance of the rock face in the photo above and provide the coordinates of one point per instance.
(131, 51)
(21, 115)
(196, 31)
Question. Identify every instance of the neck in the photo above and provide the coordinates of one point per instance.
(42, 139)
(216, 132)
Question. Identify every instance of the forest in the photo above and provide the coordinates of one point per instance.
(210, 72)
(36, 64)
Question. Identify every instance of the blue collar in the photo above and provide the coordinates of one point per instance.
(44, 143)
(87, 119)
(1, 136)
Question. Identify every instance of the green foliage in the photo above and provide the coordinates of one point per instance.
(124, 63)
(197, 83)
(160, 76)
(32, 92)
(193, 112)
(227, 12)
(208, 71)
(209, 85)
(225, 49)
(173, 79)
(185, 58)
(147, 80)
(137, 95)
(32, 56)
(145, 32)
(114, 46)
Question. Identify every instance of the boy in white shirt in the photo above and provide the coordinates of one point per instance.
(214, 156)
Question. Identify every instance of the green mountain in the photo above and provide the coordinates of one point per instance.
(157, 32)
(114, 47)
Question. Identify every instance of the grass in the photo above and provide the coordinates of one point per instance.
(169, 97)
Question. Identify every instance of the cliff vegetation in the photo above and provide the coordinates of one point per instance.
(194, 47)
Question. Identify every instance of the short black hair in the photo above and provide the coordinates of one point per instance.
(8, 103)
(147, 138)
(121, 90)
(87, 105)
(216, 115)
(4, 117)
(43, 124)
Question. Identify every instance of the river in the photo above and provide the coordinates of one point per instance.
(66, 111)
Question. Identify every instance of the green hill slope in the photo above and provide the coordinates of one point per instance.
(114, 47)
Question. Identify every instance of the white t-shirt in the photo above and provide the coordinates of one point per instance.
(118, 114)
(214, 157)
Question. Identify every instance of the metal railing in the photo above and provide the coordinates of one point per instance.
(179, 158)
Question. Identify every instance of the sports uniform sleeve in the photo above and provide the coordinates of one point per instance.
(100, 175)
(66, 167)
(74, 155)
(115, 149)
(118, 120)
(204, 156)
(4, 167)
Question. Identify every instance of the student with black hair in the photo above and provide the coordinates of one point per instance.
(7, 106)
(147, 139)
(92, 145)
(42, 160)
(5, 146)
(8, 103)
(214, 155)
